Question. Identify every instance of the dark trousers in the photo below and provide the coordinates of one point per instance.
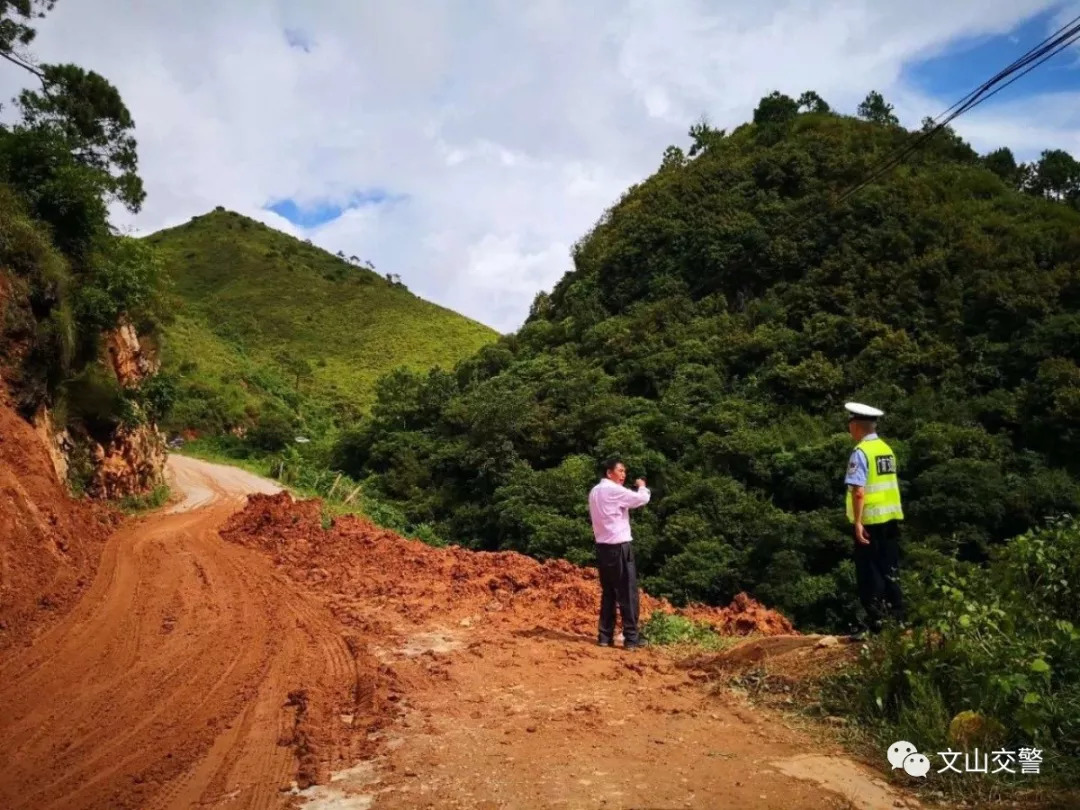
(618, 583)
(877, 570)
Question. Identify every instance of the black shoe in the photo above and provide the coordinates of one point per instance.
(635, 645)
(605, 643)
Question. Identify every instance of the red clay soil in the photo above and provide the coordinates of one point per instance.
(190, 674)
(200, 673)
(368, 572)
(50, 544)
(792, 661)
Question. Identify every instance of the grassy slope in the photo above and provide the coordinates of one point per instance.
(248, 294)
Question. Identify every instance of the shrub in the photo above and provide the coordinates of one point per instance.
(1000, 641)
(273, 431)
(668, 628)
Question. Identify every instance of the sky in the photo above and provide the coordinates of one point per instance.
(465, 145)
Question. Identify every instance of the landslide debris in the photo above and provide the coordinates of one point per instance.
(366, 572)
(50, 544)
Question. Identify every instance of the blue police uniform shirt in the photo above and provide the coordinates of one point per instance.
(858, 467)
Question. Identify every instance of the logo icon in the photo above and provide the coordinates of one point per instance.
(898, 751)
(903, 754)
(917, 765)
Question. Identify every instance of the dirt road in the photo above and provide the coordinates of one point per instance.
(168, 685)
(196, 672)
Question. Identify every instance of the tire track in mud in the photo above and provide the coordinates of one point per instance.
(168, 685)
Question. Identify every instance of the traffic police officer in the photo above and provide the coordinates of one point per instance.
(873, 508)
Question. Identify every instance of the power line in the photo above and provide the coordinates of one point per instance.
(1018, 63)
(1048, 48)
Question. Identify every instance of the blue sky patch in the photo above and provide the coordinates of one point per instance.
(970, 62)
(298, 39)
(319, 212)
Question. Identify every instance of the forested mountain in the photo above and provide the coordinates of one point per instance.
(715, 321)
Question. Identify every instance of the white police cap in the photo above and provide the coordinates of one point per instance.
(864, 411)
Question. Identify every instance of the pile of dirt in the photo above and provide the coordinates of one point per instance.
(51, 543)
(366, 572)
(778, 670)
(787, 655)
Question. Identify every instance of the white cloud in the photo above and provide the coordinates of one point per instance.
(508, 127)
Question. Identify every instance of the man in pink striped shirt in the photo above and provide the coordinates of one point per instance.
(609, 507)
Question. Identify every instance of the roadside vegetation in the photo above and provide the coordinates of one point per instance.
(140, 504)
(67, 278)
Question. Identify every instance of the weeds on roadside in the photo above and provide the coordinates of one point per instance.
(137, 504)
(993, 661)
(668, 629)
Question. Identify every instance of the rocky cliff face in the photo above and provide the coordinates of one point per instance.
(133, 462)
(57, 443)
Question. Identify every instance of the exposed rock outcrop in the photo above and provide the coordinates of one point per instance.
(57, 443)
(133, 462)
(130, 362)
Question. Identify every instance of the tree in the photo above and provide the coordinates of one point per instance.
(703, 136)
(273, 431)
(1057, 176)
(122, 282)
(56, 188)
(15, 30)
(673, 158)
(1002, 163)
(82, 110)
(541, 306)
(777, 109)
(947, 143)
(296, 367)
(875, 109)
(811, 102)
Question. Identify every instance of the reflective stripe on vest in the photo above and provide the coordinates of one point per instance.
(881, 493)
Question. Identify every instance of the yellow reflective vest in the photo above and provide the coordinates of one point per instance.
(881, 494)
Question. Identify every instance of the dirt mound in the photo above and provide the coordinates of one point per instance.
(743, 617)
(51, 543)
(776, 669)
(363, 570)
(780, 650)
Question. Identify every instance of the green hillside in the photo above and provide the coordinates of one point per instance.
(268, 326)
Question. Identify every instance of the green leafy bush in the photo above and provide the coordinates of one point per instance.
(663, 629)
(1002, 641)
(137, 504)
(273, 431)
